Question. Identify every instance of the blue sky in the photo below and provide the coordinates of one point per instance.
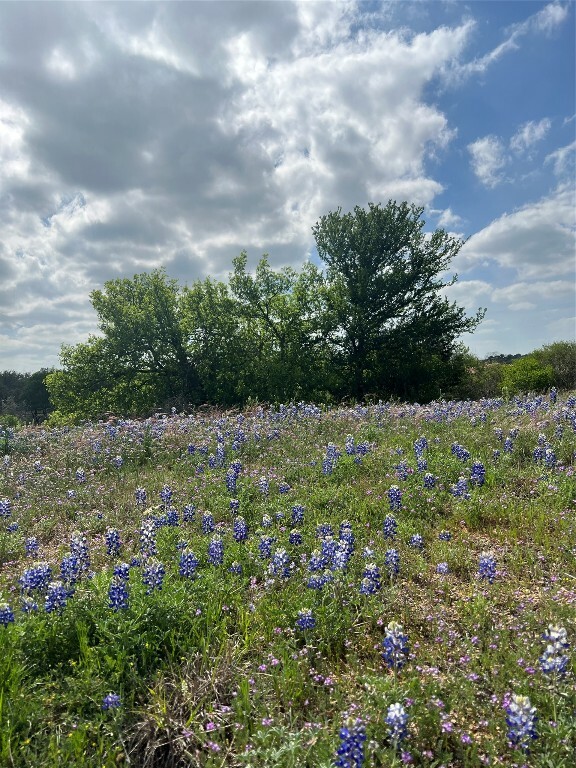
(138, 135)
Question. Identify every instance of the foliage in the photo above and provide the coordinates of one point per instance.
(394, 328)
(527, 374)
(561, 355)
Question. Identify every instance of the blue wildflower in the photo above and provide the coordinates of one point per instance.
(521, 720)
(32, 546)
(392, 562)
(390, 527)
(265, 546)
(208, 524)
(305, 619)
(118, 594)
(444, 535)
(216, 551)
(394, 498)
(395, 644)
(6, 614)
(188, 513)
(5, 508)
(236, 568)
(280, 564)
(554, 660)
(397, 722)
(297, 514)
(140, 495)
(477, 474)
(188, 564)
(153, 575)
(416, 541)
(487, 567)
(56, 597)
(240, 529)
(295, 537)
(113, 543)
(111, 701)
(350, 753)
(166, 494)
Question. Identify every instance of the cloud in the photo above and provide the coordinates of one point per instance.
(563, 160)
(537, 241)
(528, 134)
(488, 159)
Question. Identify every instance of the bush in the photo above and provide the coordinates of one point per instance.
(561, 355)
(527, 374)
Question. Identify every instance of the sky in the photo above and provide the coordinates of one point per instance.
(139, 135)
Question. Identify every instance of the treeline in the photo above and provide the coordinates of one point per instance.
(23, 397)
(372, 323)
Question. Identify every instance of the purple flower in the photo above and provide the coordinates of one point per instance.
(111, 701)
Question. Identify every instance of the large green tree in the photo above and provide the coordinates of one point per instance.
(395, 331)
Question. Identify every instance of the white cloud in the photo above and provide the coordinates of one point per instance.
(563, 160)
(488, 160)
(537, 241)
(529, 133)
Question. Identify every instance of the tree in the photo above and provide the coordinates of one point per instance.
(394, 328)
(527, 374)
(561, 355)
(35, 394)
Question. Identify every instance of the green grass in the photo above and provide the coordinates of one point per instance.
(213, 670)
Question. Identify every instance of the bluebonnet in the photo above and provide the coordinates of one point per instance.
(234, 506)
(81, 475)
(346, 533)
(166, 494)
(216, 551)
(6, 614)
(295, 537)
(297, 514)
(70, 570)
(36, 577)
(316, 580)
(172, 517)
(460, 488)
(79, 548)
(5, 508)
(280, 564)
(153, 575)
(305, 619)
(231, 481)
(499, 434)
(372, 573)
(495, 454)
(327, 466)
(477, 474)
(208, 524)
(188, 564)
(395, 645)
(191, 449)
(390, 527)
(240, 529)
(236, 568)
(420, 445)
(29, 605)
(265, 546)
(266, 521)
(487, 567)
(328, 547)
(32, 546)
(113, 543)
(12, 528)
(442, 568)
(402, 471)
(56, 597)
(397, 722)
(538, 454)
(350, 753)
(554, 660)
(521, 721)
(283, 488)
(324, 529)
(508, 445)
(341, 556)
(188, 513)
(392, 562)
(549, 458)
(462, 453)
(141, 496)
(122, 571)
(553, 395)
(444, 535)
(317, 562)
(118, 594)
(394, 498)
(117, 462)
(422, 464)
(416, 541)
(111, 701)
(264, 486)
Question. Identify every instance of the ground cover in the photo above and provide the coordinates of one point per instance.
(372, 585)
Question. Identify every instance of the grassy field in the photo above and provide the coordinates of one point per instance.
(377, 586)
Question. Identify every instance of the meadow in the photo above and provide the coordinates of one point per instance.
(377, 585)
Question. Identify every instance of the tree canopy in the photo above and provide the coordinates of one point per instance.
(373, 322)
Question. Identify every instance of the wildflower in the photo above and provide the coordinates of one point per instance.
(208, 524)
(487, 567)
(390, 527)
(172, 517)
(395, 646)
(5, 510)
(402, 471)
(56, 597)
(79, 548)
(216, 551)
(231, 480)
(280, 565)
(317, 561)
(444, 535)
(350, 753)
(189, 513)
(264, 486)
(113, 543)
(549, 458)
(166, 494)
(81, 475)
(36, 577)
(442, 568)
(283, 488)
(111, 701)
(460, 488)
(459, 451)
(521, 721)
(394, 498)
(266, 521)
(297, 514)
(305, 619)
(554, 660)
(32, 546)
(6, 614)
(236, 568)
(372, 576)
(140, 494)
(416, 541)
(397, 722)
(508, 445)
(153, 576)
(122, 571)
(70, 568)
(429, 480)
(477, 474)
(117, 462)
(265, 547)
(323, 530)
(118, 594)
(392, 562)
(188, 564)
(240, 529)
(295, 537)
(421, 464)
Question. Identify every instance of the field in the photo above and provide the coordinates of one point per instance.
(381, 586)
